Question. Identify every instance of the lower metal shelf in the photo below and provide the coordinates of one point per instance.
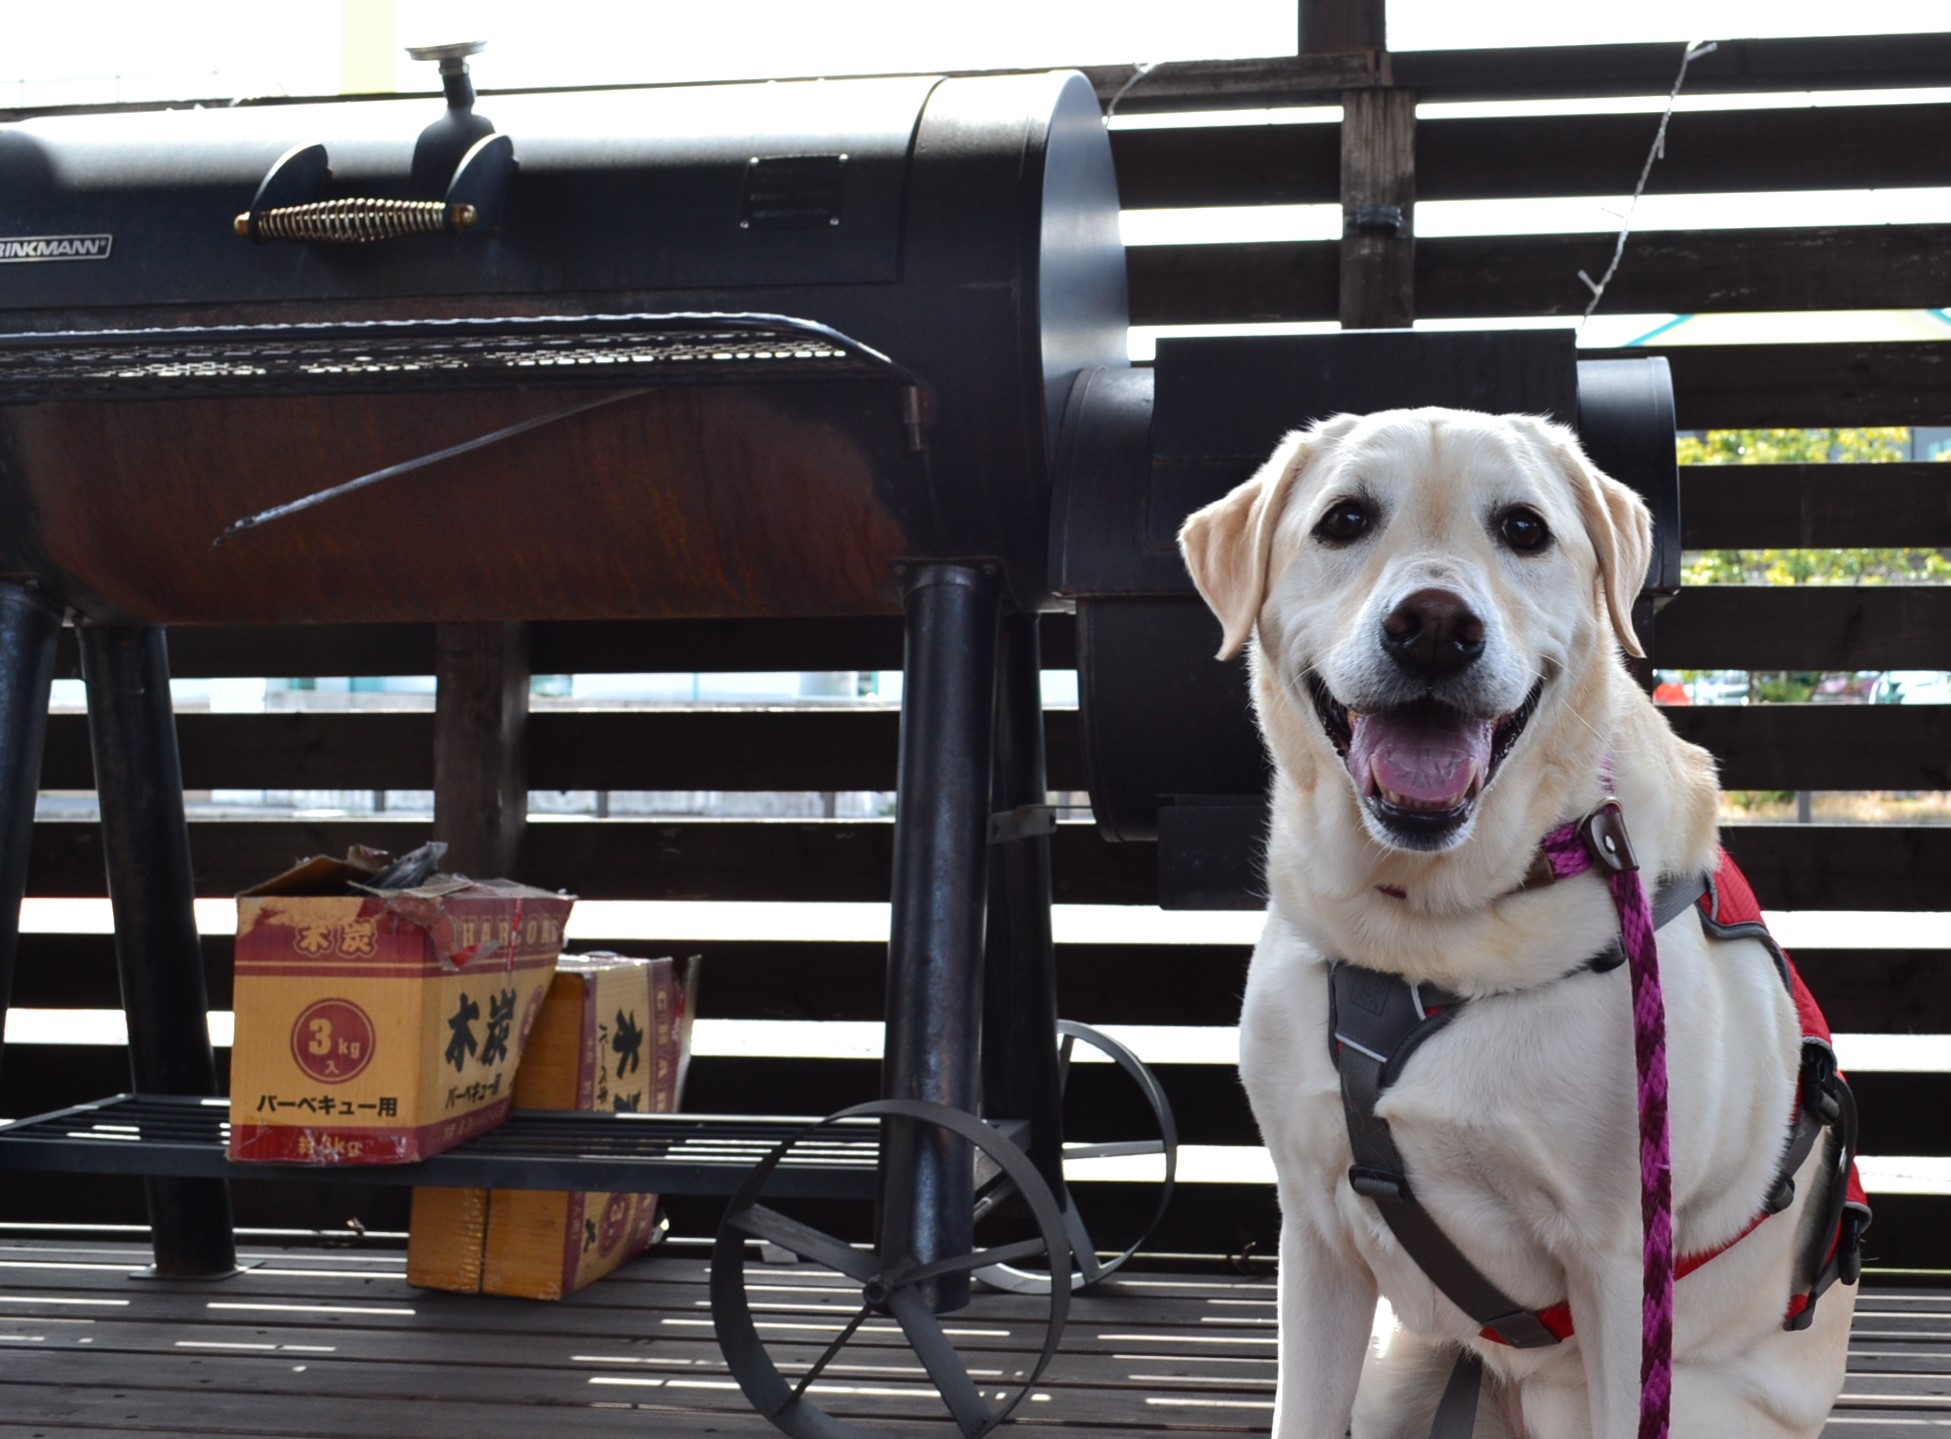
(187, 1137)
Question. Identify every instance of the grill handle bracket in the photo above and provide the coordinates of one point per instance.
(292, 202)
(289, 204)
(300, 176)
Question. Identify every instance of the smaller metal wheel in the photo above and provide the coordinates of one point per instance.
(789, 1388)
(1081, 1157)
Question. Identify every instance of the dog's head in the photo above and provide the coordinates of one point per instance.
(1428, 588)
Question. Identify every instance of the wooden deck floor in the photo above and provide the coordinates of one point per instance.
(332, 1342)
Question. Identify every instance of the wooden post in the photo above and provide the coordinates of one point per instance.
(1378, 169)
(480, 747)
(1331, 25)
(1378, 208)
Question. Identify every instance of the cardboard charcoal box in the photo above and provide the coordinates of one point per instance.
(614, 1035)
(382, 1026)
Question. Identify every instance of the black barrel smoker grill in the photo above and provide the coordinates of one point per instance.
(809, 349)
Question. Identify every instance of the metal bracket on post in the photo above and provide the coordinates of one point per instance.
(1026, 821)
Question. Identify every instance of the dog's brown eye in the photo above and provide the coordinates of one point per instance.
(1523, 530)
(1346, 520)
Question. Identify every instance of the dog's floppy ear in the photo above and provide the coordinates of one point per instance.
(1621, 530)
(1228, 545)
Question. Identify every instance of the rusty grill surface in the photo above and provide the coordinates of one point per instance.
(599, 351)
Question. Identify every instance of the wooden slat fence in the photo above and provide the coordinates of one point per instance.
(1889, 868)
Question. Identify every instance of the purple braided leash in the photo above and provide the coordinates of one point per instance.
(1599, 841)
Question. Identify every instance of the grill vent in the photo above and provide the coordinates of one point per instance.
(792, 192)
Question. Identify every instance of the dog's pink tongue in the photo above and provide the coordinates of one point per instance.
(1426, 760)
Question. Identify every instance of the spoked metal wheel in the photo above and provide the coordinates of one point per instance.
(863, 1359)
(1082, 1157)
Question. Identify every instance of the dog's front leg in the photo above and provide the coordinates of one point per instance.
(1605, 1295)
(1327, 1310)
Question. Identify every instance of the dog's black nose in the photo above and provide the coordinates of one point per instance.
(1433, 633)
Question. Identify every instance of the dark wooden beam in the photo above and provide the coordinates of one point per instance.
(1232, 284)
(1180, 85)
(1751, 386)
(1227, 165)
(1822, 506)
(1879, 991)
(480, 744)
(1807, 627)
(1762, 746)
(687, 646)
(1896, 991)
(1841, 62)
(1494, 276)
(1334, 26)
(1378, 210)
(279, 751)
(284, 651)
(1843, 267)
(1823, 866)
(867, 642)
(1843, 147)
(1823, 746)
(1736, 67)
(1527, 156)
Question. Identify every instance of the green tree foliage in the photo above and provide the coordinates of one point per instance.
(1807, 567)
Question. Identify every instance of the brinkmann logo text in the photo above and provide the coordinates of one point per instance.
(20, 248)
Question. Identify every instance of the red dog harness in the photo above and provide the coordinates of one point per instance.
(1378, 1020)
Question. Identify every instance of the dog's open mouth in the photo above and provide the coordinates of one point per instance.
(1420, 767)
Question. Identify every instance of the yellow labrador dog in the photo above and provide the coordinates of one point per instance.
(1437, 601)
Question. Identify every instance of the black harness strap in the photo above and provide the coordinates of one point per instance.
(1379, 1021)
(1456, 1411)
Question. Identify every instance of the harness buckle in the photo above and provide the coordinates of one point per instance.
(1606, 840)
(1378, 1184)
(1820, 1096)
(1522, 1329)
(1849, 1246)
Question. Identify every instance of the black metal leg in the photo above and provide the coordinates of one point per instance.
(935, 946)
(146, 841)
(1019, 1055)
(28, 626)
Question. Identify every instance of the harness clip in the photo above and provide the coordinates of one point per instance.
(1378, 1184)
(1819, 1082)
(1849, 1246)
(1604, 833)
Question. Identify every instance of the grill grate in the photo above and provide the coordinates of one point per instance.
(611, 351)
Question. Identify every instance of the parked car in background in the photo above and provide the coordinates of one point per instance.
(1853, 689)
(1719, 687)
(1913, 687)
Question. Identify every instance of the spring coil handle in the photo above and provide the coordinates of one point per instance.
(355, 222)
